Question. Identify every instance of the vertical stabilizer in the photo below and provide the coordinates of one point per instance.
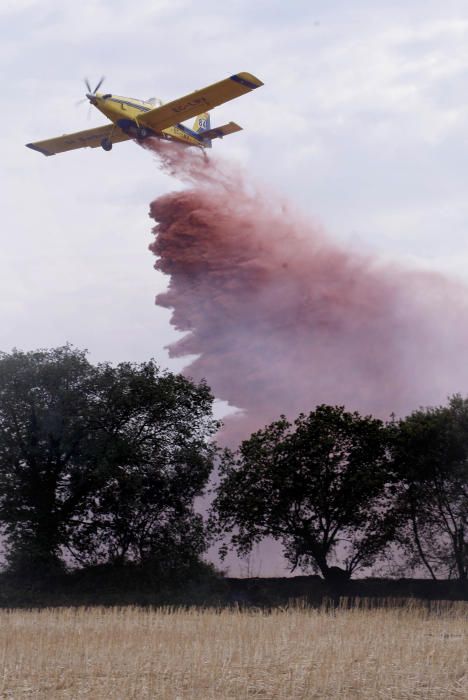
(202, 123)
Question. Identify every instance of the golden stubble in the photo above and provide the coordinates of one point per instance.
(397, 653)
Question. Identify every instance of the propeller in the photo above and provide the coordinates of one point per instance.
(88, 86)
(89, 93)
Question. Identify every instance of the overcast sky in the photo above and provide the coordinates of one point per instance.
(362, 122)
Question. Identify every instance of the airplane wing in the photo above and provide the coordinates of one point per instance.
(91, 138)
(199, 101)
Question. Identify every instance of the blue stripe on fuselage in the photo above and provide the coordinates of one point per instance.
(189, 132)
(130, 104)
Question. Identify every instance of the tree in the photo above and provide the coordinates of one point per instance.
(160, 462)
(431, 459)
(94, 458)
(320, 486)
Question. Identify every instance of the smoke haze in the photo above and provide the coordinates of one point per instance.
(282, 318)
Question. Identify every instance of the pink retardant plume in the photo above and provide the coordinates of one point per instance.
(282, 318)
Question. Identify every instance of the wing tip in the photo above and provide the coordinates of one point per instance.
(35, 147)
(247, 79)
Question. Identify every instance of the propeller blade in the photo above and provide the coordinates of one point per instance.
(98, 85)
(80, 102)
(88, 86)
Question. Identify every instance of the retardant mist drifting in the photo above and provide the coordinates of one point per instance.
(281, 318)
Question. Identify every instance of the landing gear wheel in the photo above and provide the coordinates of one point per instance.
(106, 144)
(142, 133)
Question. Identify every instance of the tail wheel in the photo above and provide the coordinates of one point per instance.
(106, 144)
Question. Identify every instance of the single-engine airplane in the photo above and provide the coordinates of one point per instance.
(140, 119)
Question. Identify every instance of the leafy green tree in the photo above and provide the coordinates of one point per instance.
(320, 486)
(431, 459)
(97, 461)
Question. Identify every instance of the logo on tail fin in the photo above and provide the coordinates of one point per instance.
(202, 123)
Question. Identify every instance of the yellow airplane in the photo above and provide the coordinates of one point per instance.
(140, 119)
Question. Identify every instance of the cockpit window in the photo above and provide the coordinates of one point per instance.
(106, 96)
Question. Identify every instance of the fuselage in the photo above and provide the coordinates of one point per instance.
(126, 111)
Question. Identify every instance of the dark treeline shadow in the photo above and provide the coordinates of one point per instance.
(101, 465)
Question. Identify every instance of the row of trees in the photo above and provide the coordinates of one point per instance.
(102, 464)
(343, 492)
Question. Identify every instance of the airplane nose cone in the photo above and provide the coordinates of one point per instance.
(91, 97)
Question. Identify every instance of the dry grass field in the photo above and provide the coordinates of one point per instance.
(396, 653)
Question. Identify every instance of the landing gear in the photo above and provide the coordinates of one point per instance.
(106, 144)
(142, 133)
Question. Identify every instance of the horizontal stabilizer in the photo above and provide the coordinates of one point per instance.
(220, 131)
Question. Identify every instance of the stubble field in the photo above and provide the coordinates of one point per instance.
(394, 653)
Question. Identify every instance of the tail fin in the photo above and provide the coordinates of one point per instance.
(202, 123)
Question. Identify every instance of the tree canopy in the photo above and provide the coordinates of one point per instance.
(102, 464)
(320, 486)
(431, 459)
(99, 462)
